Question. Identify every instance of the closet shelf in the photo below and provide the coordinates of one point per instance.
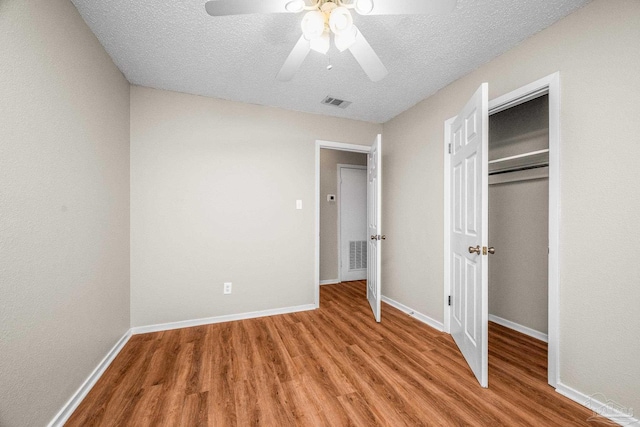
(531, 160)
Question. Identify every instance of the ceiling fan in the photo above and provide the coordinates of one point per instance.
(326, 17)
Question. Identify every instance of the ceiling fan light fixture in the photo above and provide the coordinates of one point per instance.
(345, 40)
(295, 6)
(340, 20)
(327, 7)
(321, 44)
(313, 24)
(364, 7)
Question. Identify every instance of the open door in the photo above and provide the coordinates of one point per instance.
(469, 313)
(374, 216)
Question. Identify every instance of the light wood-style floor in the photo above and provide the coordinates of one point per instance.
(329, 367)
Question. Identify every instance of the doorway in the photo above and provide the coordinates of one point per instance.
(331, 208)
(519, 218)
(478, 127)
(374, 236)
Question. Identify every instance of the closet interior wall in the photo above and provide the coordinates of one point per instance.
(519, 216)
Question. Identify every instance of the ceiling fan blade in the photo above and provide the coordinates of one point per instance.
(294, 60)
(367, 58)
(408, 7)
(243, 7)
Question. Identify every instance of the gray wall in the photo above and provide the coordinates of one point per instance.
(599, 292)
(64, 207)
(213, 191)
(519, 220)
(329, 160)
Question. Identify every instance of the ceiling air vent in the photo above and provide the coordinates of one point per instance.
(335, 102)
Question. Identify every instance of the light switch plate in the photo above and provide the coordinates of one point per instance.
(298, 204)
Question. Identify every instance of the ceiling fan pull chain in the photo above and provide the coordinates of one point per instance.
(329, 65)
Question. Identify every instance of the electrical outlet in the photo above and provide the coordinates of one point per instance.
(227, 288)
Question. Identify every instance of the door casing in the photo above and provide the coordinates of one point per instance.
(549, 85)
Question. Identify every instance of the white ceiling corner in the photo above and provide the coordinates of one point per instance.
(175, 45)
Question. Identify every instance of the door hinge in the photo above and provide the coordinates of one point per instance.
(449, 148)
(449, 300)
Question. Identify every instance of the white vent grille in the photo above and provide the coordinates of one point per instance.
(358, 255)
(335, 102)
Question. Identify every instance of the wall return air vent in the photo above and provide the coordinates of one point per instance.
(358, 255)
(335, 102)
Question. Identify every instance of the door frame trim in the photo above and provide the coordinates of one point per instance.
(549, 85)
(339, 168)
(329, 145)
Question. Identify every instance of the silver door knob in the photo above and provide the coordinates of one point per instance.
(373, 237)
(491, 250)
(475, 250)
(383, 237)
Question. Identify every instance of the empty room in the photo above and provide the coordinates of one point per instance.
(319, 213)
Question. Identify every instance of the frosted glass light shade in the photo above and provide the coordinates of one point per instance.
(295, 6)
(313, 24)
(321, 44)
(340, 20)
(364, 7)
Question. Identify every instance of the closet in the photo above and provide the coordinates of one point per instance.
(519, 217)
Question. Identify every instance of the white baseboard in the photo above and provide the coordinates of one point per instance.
(602, 407)
(219, 319)
(63, 415)
(413, 313)
(517, 327)
(329, 282)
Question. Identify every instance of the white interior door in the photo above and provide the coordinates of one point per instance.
(374, 219)
(352, 181)
(469, 232)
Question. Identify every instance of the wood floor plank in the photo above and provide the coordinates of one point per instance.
(247, 409)
(359, 412)
(300, 405)
(194, 410)
(147, 406)
(334, 366)
(325, 403)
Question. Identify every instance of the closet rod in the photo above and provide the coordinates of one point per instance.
(520, 168)
(519, 156)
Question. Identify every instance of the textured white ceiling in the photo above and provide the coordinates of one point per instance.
(175, 45)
